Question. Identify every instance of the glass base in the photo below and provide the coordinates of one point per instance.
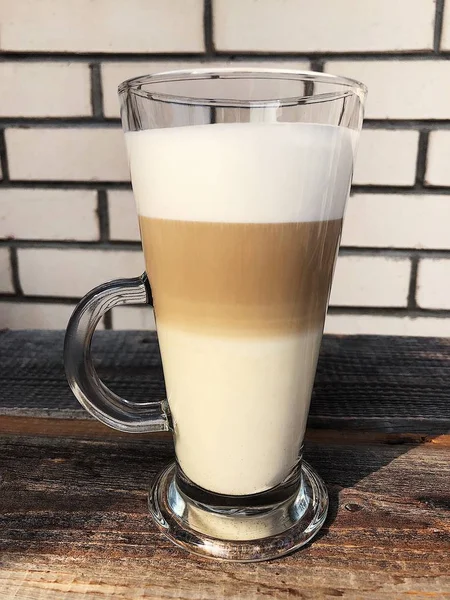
(242, 534)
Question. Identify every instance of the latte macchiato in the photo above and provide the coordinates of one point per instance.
(240, 225)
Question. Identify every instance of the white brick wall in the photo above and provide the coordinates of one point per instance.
(133, 317)
(433, 283)
(114, 73)
(57, 89)
(386, 157)
(397, 221)
(6, 284)
(64, 177)
(67, 154)
(438, 172)
(370, 281)
(73, 272)
(387, 325)
(102, 25)
(24, 315)
(123, 221)
(344, 26)
(45, 214)
(401, 89)
(445, 41)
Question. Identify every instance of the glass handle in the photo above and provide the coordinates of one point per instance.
(93, 395)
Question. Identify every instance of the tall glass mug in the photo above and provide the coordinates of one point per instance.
(240, 178)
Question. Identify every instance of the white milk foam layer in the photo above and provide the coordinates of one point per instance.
(239, 404)
(242, 172)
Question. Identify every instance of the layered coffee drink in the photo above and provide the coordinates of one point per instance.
(240, 225)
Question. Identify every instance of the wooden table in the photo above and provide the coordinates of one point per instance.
(73, 514)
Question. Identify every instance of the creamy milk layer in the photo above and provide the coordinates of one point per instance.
(240, 226)
(240, 405)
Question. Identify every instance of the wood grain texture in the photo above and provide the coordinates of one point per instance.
(74, 524)
(73, 493)
(89, 428)
(368, 383)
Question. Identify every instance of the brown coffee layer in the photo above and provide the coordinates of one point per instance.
(240, 278)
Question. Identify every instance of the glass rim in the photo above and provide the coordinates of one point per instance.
(134, 86)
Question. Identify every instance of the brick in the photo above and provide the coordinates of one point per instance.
(370, 281)
(445, 40)
(433, 283)
(397, 221)
(73, 272)
(47, 89)
(386, 157)
(387, 325)
(401, 89)
(133, 317)
(322, 26)
(48, 214)
(114, 73)
(102, 26)
(26, 315)
(6, 283)
(123, 221)
(437, 171)
(67, 154)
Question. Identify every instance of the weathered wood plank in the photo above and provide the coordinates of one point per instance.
(74, 524)
(78, 580)
(370, 383)
(73, 513)
(91, 429)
